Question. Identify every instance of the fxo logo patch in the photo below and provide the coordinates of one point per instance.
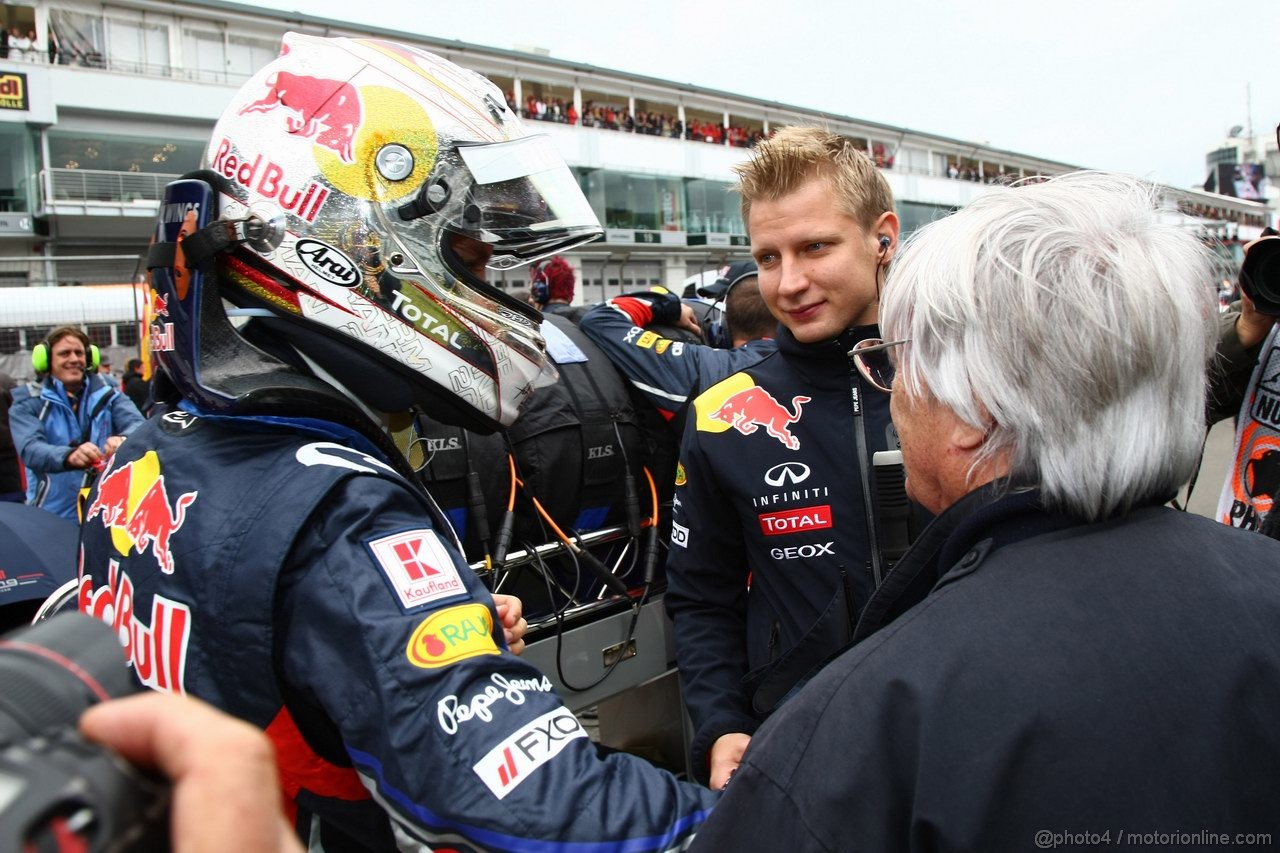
(510, 762)
(452, 635)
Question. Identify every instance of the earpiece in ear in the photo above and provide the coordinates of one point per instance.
(884, 243)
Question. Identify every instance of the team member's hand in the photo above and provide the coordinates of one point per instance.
(226, 794)
(1251, 326)
(726, 755)
(511, 615)
(112, 445)
(84, 455)
(688, 319)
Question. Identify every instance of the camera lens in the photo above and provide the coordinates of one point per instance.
(1260, 275)
(54, 670)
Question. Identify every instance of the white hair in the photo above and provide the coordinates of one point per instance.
(1068, 322)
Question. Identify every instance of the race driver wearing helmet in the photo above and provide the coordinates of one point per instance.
(262, 545)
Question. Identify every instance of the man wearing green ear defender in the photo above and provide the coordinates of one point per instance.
(75, 423)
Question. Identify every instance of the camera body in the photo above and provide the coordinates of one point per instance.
(1260, 275)
(54, 785)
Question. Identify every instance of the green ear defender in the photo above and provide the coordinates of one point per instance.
(40, 357)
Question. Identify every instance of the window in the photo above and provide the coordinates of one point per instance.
(99, 334)
(713, 208)
(246, 55)
(126, 334)
(204, 55)
(78, 38)
(10, 340)
(642, 202)
(138, 46)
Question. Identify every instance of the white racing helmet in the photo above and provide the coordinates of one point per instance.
(383, 178)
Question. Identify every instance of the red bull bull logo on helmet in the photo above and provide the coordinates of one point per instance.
(740, 404)
(327, 111)
(133, 503)
(157, 652)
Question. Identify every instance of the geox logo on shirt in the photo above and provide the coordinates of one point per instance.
(803, 551)
(510, 762)
(600, 452)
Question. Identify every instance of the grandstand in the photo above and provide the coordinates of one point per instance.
(116, 100)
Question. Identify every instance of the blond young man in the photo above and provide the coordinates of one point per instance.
(773, 546)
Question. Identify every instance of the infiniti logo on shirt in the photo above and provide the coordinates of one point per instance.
(788, 472)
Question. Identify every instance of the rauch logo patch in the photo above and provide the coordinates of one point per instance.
(452, 635)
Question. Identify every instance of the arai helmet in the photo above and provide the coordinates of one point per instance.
(380, 181)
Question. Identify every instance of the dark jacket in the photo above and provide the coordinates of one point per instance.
(12, 484)
(668, 373)
(284, 572)
(770, 493)
(1120, 677)
(136, 389)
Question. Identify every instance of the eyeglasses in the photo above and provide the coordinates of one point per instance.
(871, 356)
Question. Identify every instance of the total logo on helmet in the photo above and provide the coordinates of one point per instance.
(133, 503)
(740, 404)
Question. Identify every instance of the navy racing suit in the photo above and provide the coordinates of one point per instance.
(770, 547)
(283, 571)
(667, 372)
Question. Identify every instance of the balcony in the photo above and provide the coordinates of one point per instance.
(95, 203)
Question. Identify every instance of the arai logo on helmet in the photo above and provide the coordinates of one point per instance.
(327, 262)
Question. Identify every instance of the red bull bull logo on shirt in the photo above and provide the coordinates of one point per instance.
(748, 410)
(133, 503)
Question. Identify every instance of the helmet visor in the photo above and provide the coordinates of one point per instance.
(524, 201)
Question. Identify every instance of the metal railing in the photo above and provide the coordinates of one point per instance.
(77, 185)
(36, 272)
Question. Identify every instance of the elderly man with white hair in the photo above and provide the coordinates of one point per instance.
(1060, 660)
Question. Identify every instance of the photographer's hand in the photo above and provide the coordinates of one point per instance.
(1251, 326)
(226, 793)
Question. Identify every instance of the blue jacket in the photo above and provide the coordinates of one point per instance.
(301, 584)
(46, 431)
(1028, 680)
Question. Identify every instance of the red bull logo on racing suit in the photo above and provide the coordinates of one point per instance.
(133, 503)
(327, 111)
(157, 652)
(752, 408)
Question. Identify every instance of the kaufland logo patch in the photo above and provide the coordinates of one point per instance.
(417, 567)
(795, 520)
(509, 763)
